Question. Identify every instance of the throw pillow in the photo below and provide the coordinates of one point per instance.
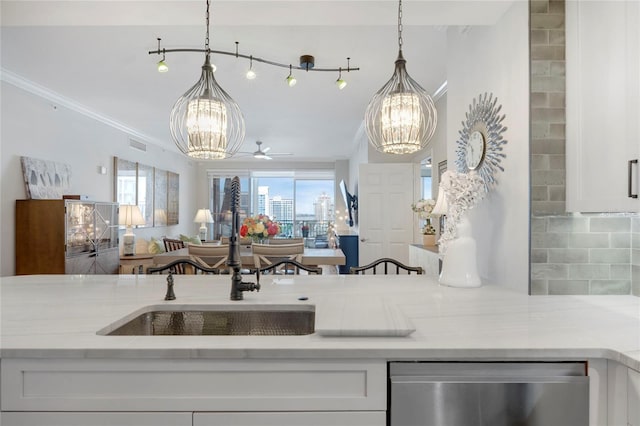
(155, 246)
(191, 240)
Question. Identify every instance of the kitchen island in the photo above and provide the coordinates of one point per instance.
(54, 364)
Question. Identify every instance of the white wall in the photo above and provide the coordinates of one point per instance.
(33, 126)
(496, 60)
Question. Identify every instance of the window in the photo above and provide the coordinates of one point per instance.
(315, 206)
(425, 178)
(293, 198)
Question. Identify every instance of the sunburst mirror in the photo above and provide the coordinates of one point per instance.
(480, 144)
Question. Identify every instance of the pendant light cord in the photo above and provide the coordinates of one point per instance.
(400, 25)
(206, 40)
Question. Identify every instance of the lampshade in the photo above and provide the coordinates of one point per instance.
(401, 117)
(203, 216)
(130, 215)
(441, 207)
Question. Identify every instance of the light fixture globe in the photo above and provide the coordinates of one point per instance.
(206, 124)
(401, 117)
(162, 66)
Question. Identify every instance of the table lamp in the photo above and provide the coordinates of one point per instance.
(203, 216)
(129, 216)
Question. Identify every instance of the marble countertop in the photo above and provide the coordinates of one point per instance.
(356, 317)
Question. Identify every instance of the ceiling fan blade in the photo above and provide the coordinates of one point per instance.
(266, 157)
(281, 154)
(266, 149)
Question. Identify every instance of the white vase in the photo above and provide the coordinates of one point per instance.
(459, 266)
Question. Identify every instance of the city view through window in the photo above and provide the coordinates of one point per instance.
(303, 207)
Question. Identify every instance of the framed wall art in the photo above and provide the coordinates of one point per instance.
(45, 179)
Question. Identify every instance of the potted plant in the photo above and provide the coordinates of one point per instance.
(424, 208)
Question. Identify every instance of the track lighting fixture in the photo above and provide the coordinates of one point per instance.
(251, 73)
(162, 65)
(291, 80)
(340, 82)
(206, 123)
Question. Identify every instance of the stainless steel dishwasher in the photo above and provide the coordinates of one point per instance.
(488, 394)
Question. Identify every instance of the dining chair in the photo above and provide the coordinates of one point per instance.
(267, 254)
(288, 266)
(171, 244)
(246, 241)
(213, 256)
(182, 267)
(281, 241)
(385, 262)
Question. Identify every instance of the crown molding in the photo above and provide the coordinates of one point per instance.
(59, 100)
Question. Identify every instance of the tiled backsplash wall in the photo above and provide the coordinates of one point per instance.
(547, 40)
(584, 254)
(570, 254)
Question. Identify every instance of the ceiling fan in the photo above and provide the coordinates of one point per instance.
(262, 153)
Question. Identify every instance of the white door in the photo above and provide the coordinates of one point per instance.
(385, 195)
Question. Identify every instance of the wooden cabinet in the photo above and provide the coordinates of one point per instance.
(603, 105)
(66, 236)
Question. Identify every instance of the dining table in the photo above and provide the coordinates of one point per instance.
(310, 257)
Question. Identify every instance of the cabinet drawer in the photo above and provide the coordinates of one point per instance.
(317, 418)
(192, 385)
(96, 419)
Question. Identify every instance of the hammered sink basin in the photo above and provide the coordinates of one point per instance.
(222, 320)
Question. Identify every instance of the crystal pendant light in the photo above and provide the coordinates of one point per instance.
(401, 117)
(206, 123)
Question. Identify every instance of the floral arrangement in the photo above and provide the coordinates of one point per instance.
(259, 227)
(463, 191)
(424, 208)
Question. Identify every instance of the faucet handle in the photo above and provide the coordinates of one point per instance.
(170, 294)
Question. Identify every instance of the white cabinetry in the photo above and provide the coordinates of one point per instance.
(633, 397)
(623, 395)
(603, 105)
(317, 418)
(98, 391)
(96, 419)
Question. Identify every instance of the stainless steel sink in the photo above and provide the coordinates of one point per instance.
(223, 320)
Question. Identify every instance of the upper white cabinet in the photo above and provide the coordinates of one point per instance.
(603, 105)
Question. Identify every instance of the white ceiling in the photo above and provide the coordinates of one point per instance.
(95, 54)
